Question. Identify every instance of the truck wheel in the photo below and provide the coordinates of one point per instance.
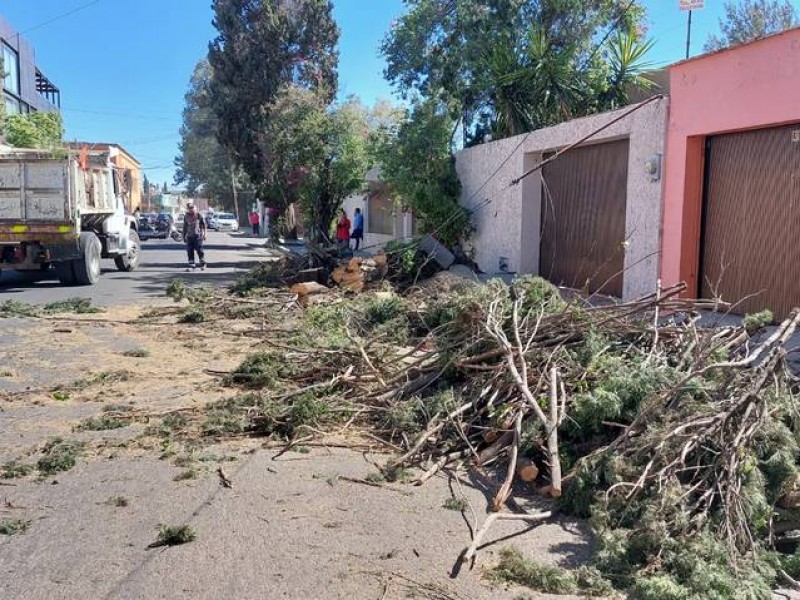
(64, 272)
(87, 269)
(130, 261)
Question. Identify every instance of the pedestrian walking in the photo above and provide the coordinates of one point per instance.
(358, 228)
(255, 222)
(194, 234)
(343, 231)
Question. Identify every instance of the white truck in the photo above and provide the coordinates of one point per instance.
(65, 212)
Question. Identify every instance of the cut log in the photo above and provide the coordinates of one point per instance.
(527, 470)
(309, 288)
(354, 264)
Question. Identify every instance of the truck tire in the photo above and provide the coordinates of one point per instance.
(87, 269)
(64, 272)
(130, 261)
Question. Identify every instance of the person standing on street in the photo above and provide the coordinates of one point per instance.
(343, 231)
(255, 222)
(194, 234)
(358, 228)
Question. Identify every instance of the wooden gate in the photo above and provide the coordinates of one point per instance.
(583, 218)
(750, 252)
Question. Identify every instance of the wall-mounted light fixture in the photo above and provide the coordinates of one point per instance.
(502, 264)
(652, 167)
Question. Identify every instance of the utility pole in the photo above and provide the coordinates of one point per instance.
(690, 5)
(235, 195)
(689, 35)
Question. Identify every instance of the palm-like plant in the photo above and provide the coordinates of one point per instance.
(535, 83)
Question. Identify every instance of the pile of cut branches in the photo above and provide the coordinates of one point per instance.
(678, 441)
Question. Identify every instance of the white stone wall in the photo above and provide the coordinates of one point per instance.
(507, 217)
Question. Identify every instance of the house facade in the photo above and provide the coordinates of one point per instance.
(384, 220)
(701, 186)
(26, 89)
(588, 220)
(732, 187)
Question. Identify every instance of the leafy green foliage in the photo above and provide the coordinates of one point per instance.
(15, 308)
(514, 568)
(749, 20)
(318, 154)
(174, 535)
(136, 353)
(102, 423)
(262, 47)
(193, 315)
(13, 526)
(418, 165)
(14, 469)
(262, 369)
(41, 130)
(58, 455)
(516, 65)
(756, 321)
(203, 163)
(456, 504)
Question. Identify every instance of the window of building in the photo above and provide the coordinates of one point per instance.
(10, 69)
(12, 105)
(380, 217)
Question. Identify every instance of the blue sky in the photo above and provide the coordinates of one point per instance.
(123, 67)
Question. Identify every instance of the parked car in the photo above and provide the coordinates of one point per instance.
(211, 222)
(226, 222)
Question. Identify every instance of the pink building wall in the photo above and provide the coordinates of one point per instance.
(748, 87)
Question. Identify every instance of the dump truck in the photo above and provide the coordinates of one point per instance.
(64, 211)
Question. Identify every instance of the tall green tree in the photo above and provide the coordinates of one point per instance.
(316, 155)
(204, 165)
(749, 20)
(262, 47)
(509, 66)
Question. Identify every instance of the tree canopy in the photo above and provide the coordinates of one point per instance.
(203, 163)
(510, 66)
(43, 130)
(316, 155)
(417, 164)
(262, 47)
(749, 20)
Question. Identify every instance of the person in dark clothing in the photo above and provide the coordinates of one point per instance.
(358, 228)
(194, 234)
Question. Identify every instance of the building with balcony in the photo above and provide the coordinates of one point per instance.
(26, 89)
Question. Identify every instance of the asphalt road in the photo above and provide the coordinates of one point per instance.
(228, 256)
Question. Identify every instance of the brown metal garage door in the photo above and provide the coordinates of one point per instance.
(750, 251)
(583, 218)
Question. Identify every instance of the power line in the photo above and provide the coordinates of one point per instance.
(609, 32)
(121, 114)
(61, 16)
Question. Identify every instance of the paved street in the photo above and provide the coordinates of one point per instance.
(228, 256)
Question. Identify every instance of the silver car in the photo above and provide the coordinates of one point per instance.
(226, 222)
